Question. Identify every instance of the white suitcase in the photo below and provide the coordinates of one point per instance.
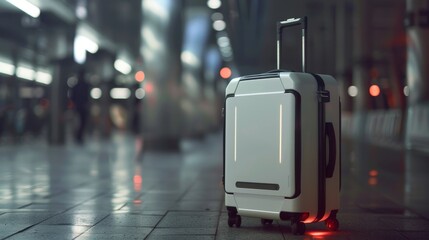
(282, 146)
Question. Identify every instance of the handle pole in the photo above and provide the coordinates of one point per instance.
(289, 23)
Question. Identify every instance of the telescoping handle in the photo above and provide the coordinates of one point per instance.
(289, 23)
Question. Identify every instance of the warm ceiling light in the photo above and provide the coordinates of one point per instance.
(352, 91)
(219, 25)
(214, 4)
(96, 93)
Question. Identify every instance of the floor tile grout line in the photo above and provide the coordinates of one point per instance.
(219, 217)
(93, 225)
(25, 229)
(20, 231)
(156, 225)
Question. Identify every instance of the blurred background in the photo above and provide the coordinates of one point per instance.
(73, 70)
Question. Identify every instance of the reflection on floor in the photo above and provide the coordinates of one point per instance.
(108, 190)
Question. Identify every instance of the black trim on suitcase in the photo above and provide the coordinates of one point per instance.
(340, 138)
(224, 127)
(323, 96)
(297, 142)
(255, 185)
(294, 216)
(260, 76)
(332, 155)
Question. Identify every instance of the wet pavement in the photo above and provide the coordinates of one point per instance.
(113, 190)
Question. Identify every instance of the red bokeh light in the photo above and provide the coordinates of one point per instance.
(148, 87)
(139, 76)
(372, 181)
(225, 72)
(374, 90)
(373, 173)
(137, 179)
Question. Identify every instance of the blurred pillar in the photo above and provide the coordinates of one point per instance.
(362, 62)
(418, 51)
(343, 57)
(17, 101)
(417, 22)
(212, 64)
(63, 67)
(161, 46)
(102, 67)
(195, 40)
(362, 53)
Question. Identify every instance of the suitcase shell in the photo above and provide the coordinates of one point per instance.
(282, 145)
(271, 156)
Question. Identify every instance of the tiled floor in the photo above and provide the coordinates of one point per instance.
(108, 190)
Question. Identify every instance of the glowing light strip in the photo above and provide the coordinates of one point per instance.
(87, 44)
(7, 68)
(43, 77)
(258, 211)
(122, 66)
(280, 133)
(120, 93)
(235, 134)
(26, 7)
(25, 73)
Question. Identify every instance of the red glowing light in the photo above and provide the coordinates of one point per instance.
(139, 76)
(148, 87)
(373, 173)
(137, 179)
(372, 181)
(304, 216)
(225, 72)
(374, 90)
(44, 103)
(319, 233)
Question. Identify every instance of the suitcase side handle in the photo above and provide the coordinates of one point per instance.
(289, 23)
(330, 133)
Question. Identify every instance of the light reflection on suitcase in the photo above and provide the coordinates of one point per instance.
(282, 146)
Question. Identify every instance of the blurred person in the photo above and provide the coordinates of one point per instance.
(40, 112)
(3, 116)
(20, 119)
(80, 99)
(6, 109)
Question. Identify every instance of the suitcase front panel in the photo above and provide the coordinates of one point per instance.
(260, 144)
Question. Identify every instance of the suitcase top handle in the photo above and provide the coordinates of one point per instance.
(289, 23)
